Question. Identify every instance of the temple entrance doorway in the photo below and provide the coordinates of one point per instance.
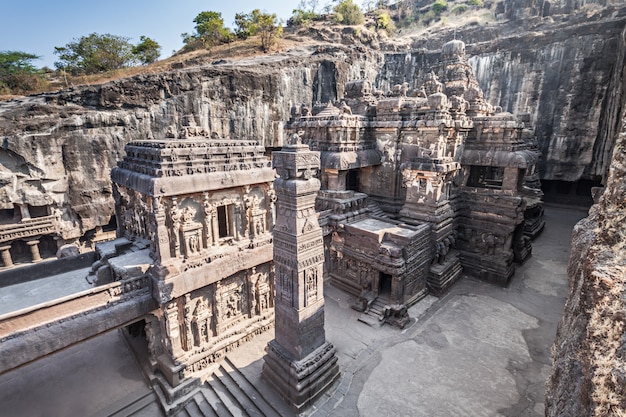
(352, 180)
(384, 285)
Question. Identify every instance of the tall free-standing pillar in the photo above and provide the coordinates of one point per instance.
(299, 363)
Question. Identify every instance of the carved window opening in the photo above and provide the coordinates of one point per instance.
(7, 216)
(38, 211)
(485, 177)
(224, 218)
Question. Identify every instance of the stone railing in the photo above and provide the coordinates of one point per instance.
(26, 228)
(36, 331)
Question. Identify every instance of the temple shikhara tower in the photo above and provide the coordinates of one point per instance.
(300, 362)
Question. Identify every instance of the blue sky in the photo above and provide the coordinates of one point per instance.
(37, 26)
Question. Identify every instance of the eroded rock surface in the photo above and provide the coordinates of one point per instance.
(58, 148)
(589, 373)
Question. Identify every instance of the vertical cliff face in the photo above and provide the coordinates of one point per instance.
(566, 79)
(589, 372)
(58, 149)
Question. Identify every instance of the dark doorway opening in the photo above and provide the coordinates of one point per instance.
(384, 285)
(352, 180)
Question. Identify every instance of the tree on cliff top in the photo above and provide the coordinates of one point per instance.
(17, 73)
(267, 25)
(95, 53)
(210, 31)
(147, 50)
(348, 13)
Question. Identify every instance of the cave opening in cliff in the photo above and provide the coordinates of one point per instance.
(111, 226)
(38, 211)
(7, 216)
(576, 193)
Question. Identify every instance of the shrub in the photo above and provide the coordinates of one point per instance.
(348, 13)
(439, 7)
(384, 22)
(478, 3)
(301, 17)
(459, 9)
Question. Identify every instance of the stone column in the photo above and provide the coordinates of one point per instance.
(34, 250)
(300, 364)
(6, 255)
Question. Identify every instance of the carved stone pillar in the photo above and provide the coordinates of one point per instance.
(5, 251)
(299, 363)
(216, 229)
(172, 328)
(24, 212)
(34, 250)
(207, 224)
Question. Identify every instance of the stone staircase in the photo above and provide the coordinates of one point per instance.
(228, 393)
(375, 210)
(372, 315)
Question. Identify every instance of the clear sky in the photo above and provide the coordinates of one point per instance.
(37, 26)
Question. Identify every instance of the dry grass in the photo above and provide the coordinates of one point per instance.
(233, 51)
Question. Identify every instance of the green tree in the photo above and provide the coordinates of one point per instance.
(17, 73)
(95, 53)
(348, 13)
(267, 25)
(384, 22)
(210, 30)
(147, 50)
(270, 29)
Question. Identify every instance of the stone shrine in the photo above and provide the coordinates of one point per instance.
(299, 363)
(422, 184)
(195, 217)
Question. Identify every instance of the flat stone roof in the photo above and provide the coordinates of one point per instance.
(380, 227)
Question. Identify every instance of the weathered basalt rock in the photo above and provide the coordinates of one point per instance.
(590, 347)
(566, 69)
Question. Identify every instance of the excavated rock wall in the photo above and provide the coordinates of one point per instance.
(564, 78)
(589, 372)
(59, 148)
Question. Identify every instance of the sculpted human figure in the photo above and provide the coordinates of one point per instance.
(175, 216)
(188, 317)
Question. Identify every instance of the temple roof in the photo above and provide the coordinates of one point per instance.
(173, 166)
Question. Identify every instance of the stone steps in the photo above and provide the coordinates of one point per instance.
(134, 406)
(372, 315)
(228, 393)
(376, 211)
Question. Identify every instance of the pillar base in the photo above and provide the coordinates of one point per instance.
(300, 382)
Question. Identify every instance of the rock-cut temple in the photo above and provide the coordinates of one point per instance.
(413, 188)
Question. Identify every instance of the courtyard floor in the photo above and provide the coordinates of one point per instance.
(480, 350)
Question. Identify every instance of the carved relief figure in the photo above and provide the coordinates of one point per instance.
(188, 317)
(175, 217)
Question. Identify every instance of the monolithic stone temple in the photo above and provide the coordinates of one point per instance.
(196, 216)
(421, 185)
(399, 194)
